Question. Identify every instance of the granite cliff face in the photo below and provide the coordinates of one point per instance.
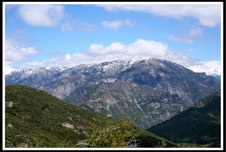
(154, 89)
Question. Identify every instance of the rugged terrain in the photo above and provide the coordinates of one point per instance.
(154, 89)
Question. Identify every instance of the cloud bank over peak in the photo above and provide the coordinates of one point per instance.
(137, 50)
(210, 67)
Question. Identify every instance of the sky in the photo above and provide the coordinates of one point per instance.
(65, 35)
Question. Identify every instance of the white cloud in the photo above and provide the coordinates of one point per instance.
(15, 52)
(147, 48)
(48, 15)
(8, 69)
(189, 37)
(41, 15)
(210, 67)
(116, 24)
(206, 14)
(113, 48)
(140, 49)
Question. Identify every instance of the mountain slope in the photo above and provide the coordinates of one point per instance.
(159, 74)
(116, 99)
(61, 82)
(172, 78)
(200, 124)
(34, 118)
(157, 88)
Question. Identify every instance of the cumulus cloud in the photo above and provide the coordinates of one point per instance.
(116, 24)
(8, 68)
(49, 15)
(189, 37)
(207, 14)
(15, 52)
(140, 49)
(41, 15)
(210, 67)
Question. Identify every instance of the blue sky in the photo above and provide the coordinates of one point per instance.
(67, 35)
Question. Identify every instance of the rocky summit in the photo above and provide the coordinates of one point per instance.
(151, 90)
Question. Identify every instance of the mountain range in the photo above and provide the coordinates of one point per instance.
(154, 89)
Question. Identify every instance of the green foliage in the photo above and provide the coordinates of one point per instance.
(120, 134)
(37, 117)
(34, 118)
(198, 127)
